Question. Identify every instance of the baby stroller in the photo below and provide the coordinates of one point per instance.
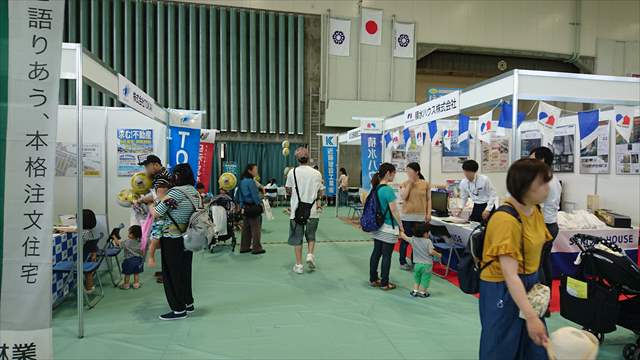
(224, 213)
(605, 292)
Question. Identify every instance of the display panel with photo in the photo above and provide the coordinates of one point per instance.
(594, 156)
(628, 154)
(495, 156)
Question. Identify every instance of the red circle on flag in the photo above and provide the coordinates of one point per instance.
(371, 27)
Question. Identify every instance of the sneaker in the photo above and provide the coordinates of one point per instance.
(413, 293)
(406, 267)
(90, 291)
(423, 295)
(298, 269)
(311, 261)
(172, 315)
(190, 309)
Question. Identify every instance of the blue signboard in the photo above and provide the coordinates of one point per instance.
(371, 156)
(330, 157)
(184, 147)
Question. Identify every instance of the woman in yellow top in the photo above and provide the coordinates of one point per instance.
(416, 207)
(513, 250)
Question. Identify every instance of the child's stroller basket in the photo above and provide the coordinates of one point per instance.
(592, 298)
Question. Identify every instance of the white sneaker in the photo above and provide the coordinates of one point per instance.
(311, 261)
(298, 269)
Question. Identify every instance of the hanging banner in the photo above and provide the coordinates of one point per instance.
(463, 127)
(329, 158)
(434, 133)
(131, 95)
(628, 153)
(371, 157)
(32, 47)
(184, 147)
(403, 40)
(206, 156)
(134, 145)
(505, 120)
(594, 155)
(371, 27)
(340, 37)
(485, 127)
(438, 108)
(624, 125)
(548, 116)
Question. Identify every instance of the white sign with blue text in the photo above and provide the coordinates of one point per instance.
(133, 97)
(439, 108)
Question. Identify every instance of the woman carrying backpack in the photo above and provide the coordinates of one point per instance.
(511, 254)
(178, 205)
(384, 238)
(416, 206)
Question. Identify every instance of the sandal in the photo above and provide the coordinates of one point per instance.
(124, 287)
(389, 286)
(136, 286)
(375, 284)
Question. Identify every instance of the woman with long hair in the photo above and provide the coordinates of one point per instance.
(178, 205)
(416, 206)
(249, 200)
(511, 327)
(384, 238)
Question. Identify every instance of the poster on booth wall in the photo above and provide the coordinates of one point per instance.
(184, 147)
(563, 149)
(495, 155)
(628, 154)
(529, 140)
(399, 159)
(413, 156)
(31, 51)
(67, 161)
(134, 145)
(458, 153)
(594, 156)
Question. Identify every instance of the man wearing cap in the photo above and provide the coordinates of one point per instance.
(304, 183)
(153, 168)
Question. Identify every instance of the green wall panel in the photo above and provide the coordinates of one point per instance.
(245, 68)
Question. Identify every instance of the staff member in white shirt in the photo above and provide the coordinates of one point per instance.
(481, 191)
(550, 209)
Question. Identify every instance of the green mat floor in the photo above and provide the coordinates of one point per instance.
(254, 307)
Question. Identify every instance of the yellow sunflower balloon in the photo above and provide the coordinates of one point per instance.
(140, 183)
(227, 181)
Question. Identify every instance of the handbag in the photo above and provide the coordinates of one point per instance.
(252, 210)
(303, 211)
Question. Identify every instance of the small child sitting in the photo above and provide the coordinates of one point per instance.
(423, 254)
(133, 262)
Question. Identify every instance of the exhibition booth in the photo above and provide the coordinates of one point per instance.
(596, 150)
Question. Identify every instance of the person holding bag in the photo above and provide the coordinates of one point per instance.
(416, 207)
(176, 261)
(249, 200)
(511, 327)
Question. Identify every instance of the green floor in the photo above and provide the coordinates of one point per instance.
(254, 307)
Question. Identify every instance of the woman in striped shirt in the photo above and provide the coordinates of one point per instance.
(178, 206)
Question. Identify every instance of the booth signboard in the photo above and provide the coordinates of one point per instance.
(131, 95)
(31, 47)
(330, 163)
(434, 93)
(184, 147)
(495, 155)
(563, 149)
(133, 147)
(67, 159)
(439, 108)
(628, 154)
(594, 156)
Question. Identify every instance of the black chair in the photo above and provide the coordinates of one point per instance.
(272, 196)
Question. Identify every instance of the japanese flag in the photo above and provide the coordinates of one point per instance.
(624, 121)
(486, 128)
(371, 27)
(403, 40)
(548, 116)
(339, 36)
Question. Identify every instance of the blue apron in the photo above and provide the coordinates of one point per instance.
(504, 333)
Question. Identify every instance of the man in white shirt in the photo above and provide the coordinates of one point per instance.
(304, 182)
(481, 191)
(550, 209)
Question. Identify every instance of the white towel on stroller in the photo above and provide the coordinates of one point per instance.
(219, 216)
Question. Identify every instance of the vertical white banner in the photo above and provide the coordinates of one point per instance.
(403, 40)
(35, 45)
(371, 27)
(339, 37)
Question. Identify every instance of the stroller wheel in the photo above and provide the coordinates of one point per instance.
(629, 351)
(636, 354)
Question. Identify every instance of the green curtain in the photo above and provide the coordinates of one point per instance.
(268, 156)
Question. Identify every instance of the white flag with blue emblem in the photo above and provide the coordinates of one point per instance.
(339, 36)
(403, 40)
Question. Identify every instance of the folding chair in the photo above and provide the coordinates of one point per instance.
(110, 252)
(452, 249)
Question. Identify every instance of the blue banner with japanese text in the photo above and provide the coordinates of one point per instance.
(330, 161)
(371, 157)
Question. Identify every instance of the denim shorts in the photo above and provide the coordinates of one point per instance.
(297, 231)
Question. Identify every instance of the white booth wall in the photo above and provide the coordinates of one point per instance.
(100, 126)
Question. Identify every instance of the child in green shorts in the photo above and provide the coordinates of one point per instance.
(423, 254)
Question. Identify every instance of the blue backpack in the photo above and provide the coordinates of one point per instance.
(372, 216)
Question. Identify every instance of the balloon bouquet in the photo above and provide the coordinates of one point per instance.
(140, 186)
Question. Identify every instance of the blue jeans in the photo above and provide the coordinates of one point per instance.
(408, 229)
(504, 334)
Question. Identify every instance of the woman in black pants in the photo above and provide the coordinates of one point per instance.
(178, 206)
(384, 238)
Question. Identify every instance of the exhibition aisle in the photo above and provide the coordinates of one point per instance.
(255, 307)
